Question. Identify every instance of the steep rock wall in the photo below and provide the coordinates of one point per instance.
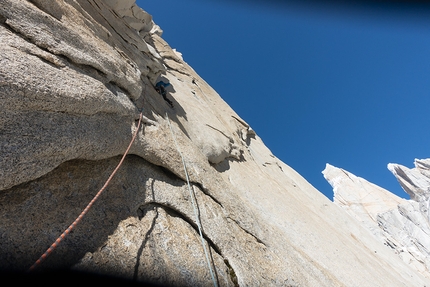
(73, 77)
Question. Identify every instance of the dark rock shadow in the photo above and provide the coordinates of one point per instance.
(222, 166)
(51, 8)
(142, 212)
(72, 278)
(34, 214)
(225, 164)
(249, 137)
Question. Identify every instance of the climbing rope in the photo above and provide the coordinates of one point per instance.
(78, 219)
(194, 204)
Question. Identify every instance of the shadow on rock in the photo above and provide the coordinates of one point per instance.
(34, 214)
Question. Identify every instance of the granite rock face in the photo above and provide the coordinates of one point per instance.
(360, 198)
(74, 76)
(402, 225)
(410, 224)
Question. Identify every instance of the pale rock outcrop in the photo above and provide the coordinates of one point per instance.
(73, 77)
(410, 223)
(402, 225)
(360, 198)
(416, 181)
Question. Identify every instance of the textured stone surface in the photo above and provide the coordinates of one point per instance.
(415, 181)
(73, 77)
(360, 198)
(402, 225)
(409, 225)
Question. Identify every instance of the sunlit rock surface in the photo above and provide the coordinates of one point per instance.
(74, 76)
(402, 225)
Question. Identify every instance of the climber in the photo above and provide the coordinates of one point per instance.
(160, 87)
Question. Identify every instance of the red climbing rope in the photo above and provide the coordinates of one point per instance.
(67, 231)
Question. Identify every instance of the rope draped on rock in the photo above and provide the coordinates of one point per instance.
(194, 204)
(85, 211)
(78, 219)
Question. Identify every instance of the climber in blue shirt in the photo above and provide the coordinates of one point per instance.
(160, 87)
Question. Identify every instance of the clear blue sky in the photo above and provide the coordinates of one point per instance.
(345, 85)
